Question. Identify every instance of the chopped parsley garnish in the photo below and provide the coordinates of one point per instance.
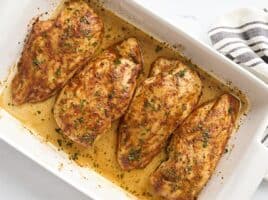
(81, 120)
(84, 20)
(74, 156)
(121, 175)
(111, 95)
(59, 142)
(95, 44)
(199, 126)
(97, 93)
(189, 168)
(205, 136)
(230, 111)
(58, 130)
(144, 131)
(183, 107)
(117, 61)
(82, 103)
(36, 62)
(171, 174)
(58, 72)
(181, 73)
(175, 187)
(158, 48)
(69, 144)
(68, 31)
(67, 45)
(150, 104)
(134, 154)
(85, 32)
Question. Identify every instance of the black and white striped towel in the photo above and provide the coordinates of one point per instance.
(242, 36)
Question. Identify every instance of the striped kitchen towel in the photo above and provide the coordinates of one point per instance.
(242, 36)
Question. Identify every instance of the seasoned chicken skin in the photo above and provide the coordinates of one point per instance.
(55, 50)
(160, 104)
(100, 93)
(195, 149)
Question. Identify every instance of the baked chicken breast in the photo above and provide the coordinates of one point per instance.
(195, 149)
(100, 93)
(160, 104)
(55, 50)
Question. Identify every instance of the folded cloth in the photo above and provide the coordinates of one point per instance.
(242, 36)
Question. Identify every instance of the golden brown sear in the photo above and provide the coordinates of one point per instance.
(160, 104)
(55, 50)
(100, 93)
(195, 149)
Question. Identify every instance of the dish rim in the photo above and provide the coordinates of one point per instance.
(199, 43)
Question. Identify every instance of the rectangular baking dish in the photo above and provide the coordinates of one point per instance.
(238, 173)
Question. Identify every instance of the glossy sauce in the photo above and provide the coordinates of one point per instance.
(102, 157)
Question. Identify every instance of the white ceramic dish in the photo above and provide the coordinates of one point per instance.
(243, 168)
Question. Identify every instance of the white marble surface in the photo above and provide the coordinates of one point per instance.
(22, 179)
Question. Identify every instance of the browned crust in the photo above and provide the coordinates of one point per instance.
(195, 149)
(105, 87)
(46, 63)
(131, 154)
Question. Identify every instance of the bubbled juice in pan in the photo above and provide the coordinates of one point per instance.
(102, 157)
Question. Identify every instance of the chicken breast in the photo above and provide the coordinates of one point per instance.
(55, 50)
(195, 149)
(160, 104)
(100, 93)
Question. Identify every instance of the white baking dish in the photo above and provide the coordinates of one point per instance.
(242, 169)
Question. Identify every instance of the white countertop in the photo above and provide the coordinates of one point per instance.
(22, 179)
